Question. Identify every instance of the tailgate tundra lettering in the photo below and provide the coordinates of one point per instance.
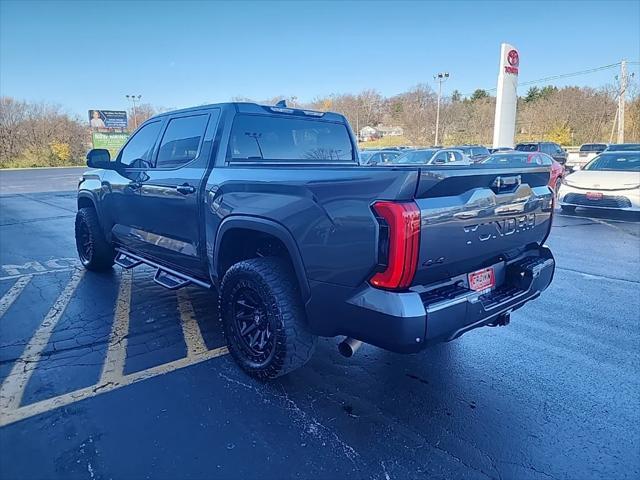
(501, 228)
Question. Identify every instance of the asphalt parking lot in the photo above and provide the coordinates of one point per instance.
(111, 376)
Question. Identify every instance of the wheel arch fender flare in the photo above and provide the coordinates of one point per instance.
(270, 227)
(84, 196)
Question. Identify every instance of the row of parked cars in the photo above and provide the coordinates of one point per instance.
(597, 176)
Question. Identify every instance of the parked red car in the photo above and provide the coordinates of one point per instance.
(515, 158)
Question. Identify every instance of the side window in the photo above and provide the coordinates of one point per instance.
(137, 153)
(389, 156)
(181, 141)
(457, 156)
(375, 159)
(440, 158)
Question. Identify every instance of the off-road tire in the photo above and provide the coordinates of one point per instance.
(94, 251)
(567, 208)
(274, 283)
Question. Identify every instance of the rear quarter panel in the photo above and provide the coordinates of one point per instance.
(326, 209)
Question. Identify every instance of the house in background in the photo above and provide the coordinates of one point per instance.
(368, 133)
(372, 133)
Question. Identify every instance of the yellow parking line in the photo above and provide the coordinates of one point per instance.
(190, 328)
(113, 368)
(12, 416)
(12, 389)
(14, 292)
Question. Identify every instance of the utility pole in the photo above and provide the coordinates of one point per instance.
(133, 99)
(621, 98)
(440, 78)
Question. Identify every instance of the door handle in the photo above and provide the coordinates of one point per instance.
(186, 189)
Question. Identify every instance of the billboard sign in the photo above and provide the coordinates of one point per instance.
(107, 119)
(112, 141)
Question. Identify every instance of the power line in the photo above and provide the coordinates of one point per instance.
(563, 75)
(567, 75)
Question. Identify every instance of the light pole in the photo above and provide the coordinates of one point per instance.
(133, 99)
(440, 78)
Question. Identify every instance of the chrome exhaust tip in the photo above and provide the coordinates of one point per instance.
(349, 346)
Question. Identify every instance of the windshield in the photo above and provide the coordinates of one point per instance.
(629, 162)
(624, 147)
(262, 137)
(593, 147)
(415, 156)
(527, 147)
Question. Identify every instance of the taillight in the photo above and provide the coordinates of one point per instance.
(401, 243)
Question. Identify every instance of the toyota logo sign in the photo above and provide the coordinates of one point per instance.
(513, 58)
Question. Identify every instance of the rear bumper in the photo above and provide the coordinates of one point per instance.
(407, 322)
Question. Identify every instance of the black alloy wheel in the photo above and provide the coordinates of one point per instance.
(252, 326)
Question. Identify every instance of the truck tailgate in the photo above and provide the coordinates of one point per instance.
(476, 216)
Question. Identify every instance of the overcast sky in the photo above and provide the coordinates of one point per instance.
(85, 55)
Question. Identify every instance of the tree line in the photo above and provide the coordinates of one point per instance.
(41, 134)
(569, 115)
(38, 134)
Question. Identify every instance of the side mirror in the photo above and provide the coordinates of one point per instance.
(99, 158)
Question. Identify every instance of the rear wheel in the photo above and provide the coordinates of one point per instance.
(93, 249)
(263, 318)
(568, 208)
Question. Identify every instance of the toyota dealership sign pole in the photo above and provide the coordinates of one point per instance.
(504, 125)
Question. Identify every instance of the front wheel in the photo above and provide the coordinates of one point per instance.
(93, 249)
(263, 318)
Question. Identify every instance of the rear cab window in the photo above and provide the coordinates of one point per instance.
(283, 139)
(593, 147)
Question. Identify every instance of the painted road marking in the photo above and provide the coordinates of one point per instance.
(601, 220)
(190, 328)
(11, 416)
(14, 292)
(12, 388)
(39, 268)
(112, 375)
(113, 367)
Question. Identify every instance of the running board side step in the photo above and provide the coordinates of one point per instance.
(164, 276)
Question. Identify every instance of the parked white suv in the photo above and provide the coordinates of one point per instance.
(588, 151)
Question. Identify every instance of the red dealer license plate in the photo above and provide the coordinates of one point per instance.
(482, 279)
(594, 196)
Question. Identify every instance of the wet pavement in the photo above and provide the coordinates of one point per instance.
(111, 376)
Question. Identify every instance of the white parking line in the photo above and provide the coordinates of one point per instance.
(113, 368)
(12, 388)
(190, 328)
(14, 292)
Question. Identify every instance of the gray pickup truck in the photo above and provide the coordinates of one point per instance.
(269, 206)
